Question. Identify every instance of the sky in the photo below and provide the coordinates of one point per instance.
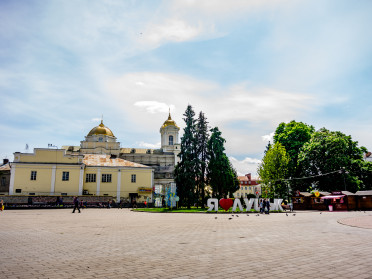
(247, 65)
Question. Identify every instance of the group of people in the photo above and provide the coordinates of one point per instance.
(265, 206)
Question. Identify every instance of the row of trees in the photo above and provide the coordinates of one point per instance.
(304, 159)
(203, 162)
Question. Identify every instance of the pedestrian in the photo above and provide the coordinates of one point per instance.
(268, 206)
(1, 205)
(120, 204)
(109, 204)
(261, 206)
(76, 204)
(134, 203)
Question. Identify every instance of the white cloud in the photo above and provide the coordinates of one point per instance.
(174, 30)
(261, 108)
(268, 138)
(245, 166)
(154, 106)
(149, 145)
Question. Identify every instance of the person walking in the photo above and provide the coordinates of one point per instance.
(1, 205)
(261, 206)
(76, 204)
(268, 206)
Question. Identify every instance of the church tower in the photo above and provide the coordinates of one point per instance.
(169, 137)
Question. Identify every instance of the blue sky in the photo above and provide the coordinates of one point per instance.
(248, 65)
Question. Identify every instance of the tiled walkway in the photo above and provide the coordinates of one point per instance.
(360, 222)
(112, 243)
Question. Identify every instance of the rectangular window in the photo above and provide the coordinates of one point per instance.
(133, 178)
(33, 175)
(106, 177)
(18, 190)
(90, 177)
(3, 181)
(65, 176)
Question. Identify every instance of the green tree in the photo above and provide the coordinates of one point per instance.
(185, 171)
(333, 161)
(293, 136)
(273, 170)
(364, 172)
(222, 176)
(202, 137)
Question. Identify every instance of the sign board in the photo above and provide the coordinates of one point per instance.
(158, 189)
(144, 190)
(173, 187)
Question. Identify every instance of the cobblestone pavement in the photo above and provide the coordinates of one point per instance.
(115, 243)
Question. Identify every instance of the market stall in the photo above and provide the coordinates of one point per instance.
(335, 201)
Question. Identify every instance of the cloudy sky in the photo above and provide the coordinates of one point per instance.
(248, 65)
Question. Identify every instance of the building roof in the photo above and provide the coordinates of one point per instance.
(101, 129)
(170, 122)
(243, 178)
(5, 167)
(305, 194)
(347, 193)
(136, 150)
(324, 193)
(103, 160)
(364, 193)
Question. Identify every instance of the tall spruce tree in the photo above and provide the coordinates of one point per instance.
(185, 171)
(202, 137)
(221, 175)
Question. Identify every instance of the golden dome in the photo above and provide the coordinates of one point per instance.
(101, 130)
(170, 122)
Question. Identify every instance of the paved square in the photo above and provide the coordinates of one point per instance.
(114, 243)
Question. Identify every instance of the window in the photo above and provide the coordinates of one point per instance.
(33, 175)
(245, 187)
(106, 177)
(90, 177)
(3, 180)
(65, 176)
(170, 140)
(18, 190)
(100, 139)
(133, 178)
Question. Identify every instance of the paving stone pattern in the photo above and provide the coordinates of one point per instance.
(119, 243)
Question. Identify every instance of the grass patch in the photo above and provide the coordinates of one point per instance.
(191, 210)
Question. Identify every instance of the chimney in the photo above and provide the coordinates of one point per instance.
(5, 161)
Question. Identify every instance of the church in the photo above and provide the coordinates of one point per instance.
(98, 167)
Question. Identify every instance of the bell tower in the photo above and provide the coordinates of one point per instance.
(169, 137)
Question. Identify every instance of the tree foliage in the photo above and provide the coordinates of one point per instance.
(333, 161)
(222, 176)
(273, 170)
(293, 136)
(186, 171)
(202, 138)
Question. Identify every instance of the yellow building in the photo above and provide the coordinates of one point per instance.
(53, 172)
(98, 167)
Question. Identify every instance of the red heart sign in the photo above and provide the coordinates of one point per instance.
(226, 203)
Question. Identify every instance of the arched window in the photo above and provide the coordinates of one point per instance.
(170, 140)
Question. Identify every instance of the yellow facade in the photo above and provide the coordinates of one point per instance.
(52, 172)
